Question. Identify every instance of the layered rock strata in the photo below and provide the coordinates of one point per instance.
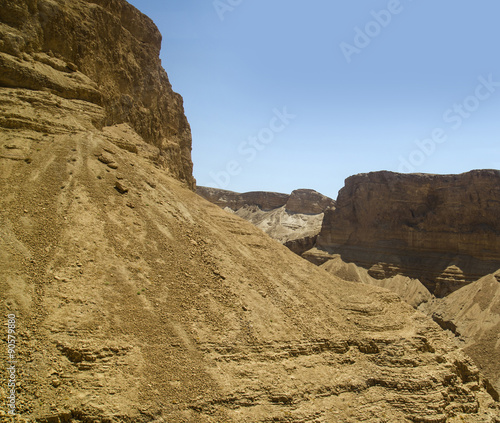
(441, 229)
(149, 304)
(103, 52)
(293, 219)
(136, 300)
(472, 314)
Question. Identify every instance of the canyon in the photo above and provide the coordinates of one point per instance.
(431, 239)
(137, 300)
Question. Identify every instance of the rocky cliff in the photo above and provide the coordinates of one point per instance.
(135, 300)
(103, 52)
(441, 229)
(293, 219)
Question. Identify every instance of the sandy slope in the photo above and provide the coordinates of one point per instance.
(282, 225)
(473, 314)
(155, 305)
(410, 290)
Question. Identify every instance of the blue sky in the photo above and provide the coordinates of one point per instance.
(285, 94)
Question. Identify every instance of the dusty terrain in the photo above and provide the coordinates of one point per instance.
(138, 301)
(155, 305)
(410, 290)
(473, 315)
(432, 239)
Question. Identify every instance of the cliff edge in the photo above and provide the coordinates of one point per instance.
(293, 219)
(104, 52)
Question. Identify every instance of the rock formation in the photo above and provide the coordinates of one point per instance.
(401, 231)
(138, 301)
(441, 229)
(294, 220)
(103, 52)
(410, 290)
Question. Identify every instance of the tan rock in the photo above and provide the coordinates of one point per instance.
(473, 315)
(117, 67)
(294, 220)
(308, 201)
(265, 201)
(440, 229)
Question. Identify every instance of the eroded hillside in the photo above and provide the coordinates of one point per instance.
(102, 52)
(440, 229)
(417, 235)
(155, 305)
(138, 301)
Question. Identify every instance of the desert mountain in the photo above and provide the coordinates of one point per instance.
(102, 52)
(440, 229)
(136, 300)
(404, 232)
(293, 219)
(416, 235)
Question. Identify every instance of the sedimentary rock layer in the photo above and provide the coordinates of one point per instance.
(472, 314)
(294, 220)
(102, 51)
(234, 200)
(136, 300)
(441, 229)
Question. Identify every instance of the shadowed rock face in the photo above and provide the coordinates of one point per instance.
(102, 51)
(441, 229)
(303, 201)
(308, 201)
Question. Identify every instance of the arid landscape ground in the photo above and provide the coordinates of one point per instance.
(137, 300)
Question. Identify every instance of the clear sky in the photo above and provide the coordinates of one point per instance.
(286, 94)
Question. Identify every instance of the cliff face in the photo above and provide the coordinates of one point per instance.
(294, 220)
(101, 51)
(441, 229)
(303, 201)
